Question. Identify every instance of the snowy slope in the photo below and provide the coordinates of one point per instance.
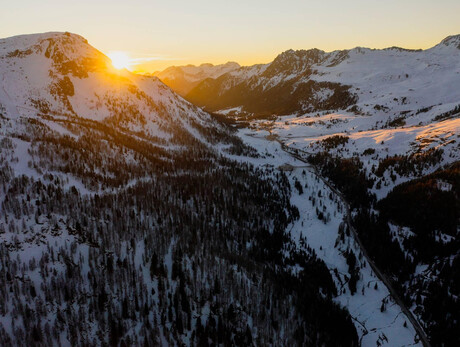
(396, 82)
(390, 327)
(406, 102)
(62, 75)
(310, 133)
(389, 83)
(57, 92)
(123, 219)
(403, 125)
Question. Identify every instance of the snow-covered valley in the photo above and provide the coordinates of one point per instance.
(377, 318)
(130, 216)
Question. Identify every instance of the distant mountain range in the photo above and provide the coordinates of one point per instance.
(313, 80)
(182, 79)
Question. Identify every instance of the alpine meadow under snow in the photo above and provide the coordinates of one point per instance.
(311, 201)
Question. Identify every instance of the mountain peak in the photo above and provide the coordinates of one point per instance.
(299, 54)
(70, 53)
(23, 42)
(232, 64)
(294, 61)
(453, 40)
(229, 64)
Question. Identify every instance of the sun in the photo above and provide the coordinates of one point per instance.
(120, 60)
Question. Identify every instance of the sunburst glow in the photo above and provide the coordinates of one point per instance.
(120, 60)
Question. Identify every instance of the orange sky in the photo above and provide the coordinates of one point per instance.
(158, 33)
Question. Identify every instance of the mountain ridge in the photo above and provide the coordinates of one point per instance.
(308, 80)
(184, 78)
(72, 71)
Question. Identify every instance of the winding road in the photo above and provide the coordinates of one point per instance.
(394, 294)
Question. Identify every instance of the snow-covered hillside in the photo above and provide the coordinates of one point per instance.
(385, 102)
(314, 134)
(61, 75)
(321, 230)
(390, 83)
(182, 79)
(383, 126)
(130, 216)
(124, 219)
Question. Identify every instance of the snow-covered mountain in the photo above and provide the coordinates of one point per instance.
(128, 216)
(388, 102)
(61, 75)
(389, 143)
(182, 79)
(391, 80)
(379, 125)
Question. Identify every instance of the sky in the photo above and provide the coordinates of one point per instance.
(155, 34)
